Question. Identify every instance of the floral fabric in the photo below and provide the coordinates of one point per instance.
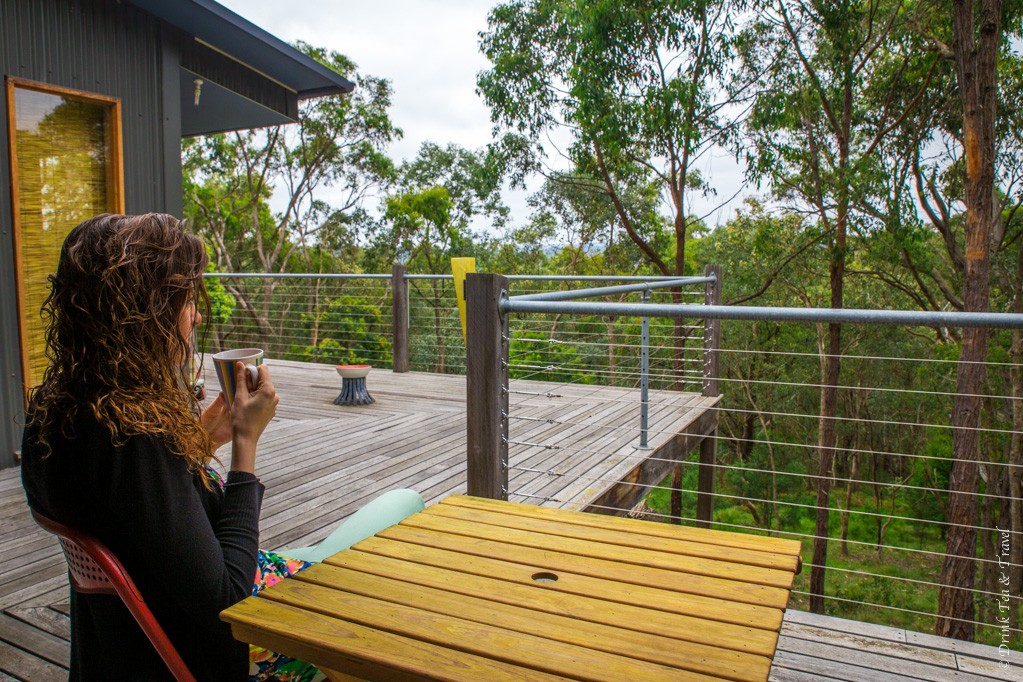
(264, 665)
(272, 667)
(271, 568)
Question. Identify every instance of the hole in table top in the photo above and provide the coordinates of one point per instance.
(545, 577)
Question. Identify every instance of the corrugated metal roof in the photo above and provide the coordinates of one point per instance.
(223, 30)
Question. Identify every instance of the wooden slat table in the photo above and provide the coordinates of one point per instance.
(476, 589)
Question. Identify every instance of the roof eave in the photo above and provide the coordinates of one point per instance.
(237, 37)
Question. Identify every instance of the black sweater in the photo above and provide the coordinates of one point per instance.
(191, 551)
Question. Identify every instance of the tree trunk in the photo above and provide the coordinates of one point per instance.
(826, 458)
(441, 366)
(955, 597)
(681, 334)
(987, 542)
(977, 77)
(832, 363)
(853, 471)
(1015, 523)
(312, 310)
(875, 477)
(612, 363)
(676, 494)
(829, 405)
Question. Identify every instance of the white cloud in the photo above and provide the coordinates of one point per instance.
(428, 49)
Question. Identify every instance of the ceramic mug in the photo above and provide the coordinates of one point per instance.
(224, 364)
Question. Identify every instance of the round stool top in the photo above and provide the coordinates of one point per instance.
(353, 371)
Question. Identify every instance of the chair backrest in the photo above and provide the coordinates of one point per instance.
(95, 570)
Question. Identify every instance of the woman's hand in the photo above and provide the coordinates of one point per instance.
(251, 411)
(216, 419)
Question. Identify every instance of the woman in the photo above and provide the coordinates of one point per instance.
(113, 446)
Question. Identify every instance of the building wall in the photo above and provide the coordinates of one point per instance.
(99, 47)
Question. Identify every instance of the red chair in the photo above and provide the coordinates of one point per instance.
(95, 570)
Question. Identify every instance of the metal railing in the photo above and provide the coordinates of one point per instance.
(758, 474)
(335, 319)
(892, 453)
(410, 322)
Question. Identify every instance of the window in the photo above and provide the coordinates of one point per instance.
(65, 166)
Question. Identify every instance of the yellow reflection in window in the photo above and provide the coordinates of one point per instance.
(66, 168)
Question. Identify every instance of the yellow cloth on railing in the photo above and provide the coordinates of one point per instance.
(459, 268)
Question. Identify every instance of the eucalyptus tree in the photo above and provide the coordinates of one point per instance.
(977, 37)
(626, 94)
(442, 204)
(636, 91)
(770, 370)
(265, 199)
(834, 79)
(964, 149)
(586, 223)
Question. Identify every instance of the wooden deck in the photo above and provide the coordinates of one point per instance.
(572, 446)
(822, 648)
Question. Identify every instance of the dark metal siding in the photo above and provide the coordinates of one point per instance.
(99, 47)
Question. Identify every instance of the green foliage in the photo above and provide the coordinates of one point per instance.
(533, 356)
(338, 146)
(221, 301)
(440, 196)
(636, 88)
(337, 149)
(347, 332)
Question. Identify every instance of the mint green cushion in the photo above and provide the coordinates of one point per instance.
(379, 513)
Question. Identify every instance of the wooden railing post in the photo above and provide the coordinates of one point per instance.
(399, 318)
(708, 446)
(486, 383)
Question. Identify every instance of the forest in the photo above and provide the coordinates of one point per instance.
(882, 143)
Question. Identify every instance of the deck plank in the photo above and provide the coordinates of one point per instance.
(41, 643)
(788, 663)
(17, 664)
(836, 648)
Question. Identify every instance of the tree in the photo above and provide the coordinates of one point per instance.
(429, 218)
(966, 143)
(435, 206)
(755, 242)
(263, 200)
(977, 37)
(586, 225)
(636, 89)
(840, 77)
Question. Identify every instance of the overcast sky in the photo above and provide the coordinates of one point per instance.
(429, 50)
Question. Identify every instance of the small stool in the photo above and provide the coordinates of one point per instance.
(353, 385)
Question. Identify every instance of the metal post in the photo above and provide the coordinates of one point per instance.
(486, 386)
(711, 332)
(399, 318)
(644, 381)
(708, 446)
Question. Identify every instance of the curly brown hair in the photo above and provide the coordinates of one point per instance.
(112, 333)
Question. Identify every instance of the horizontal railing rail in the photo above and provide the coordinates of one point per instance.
(518, 304)
(513, 278)
(594, 292)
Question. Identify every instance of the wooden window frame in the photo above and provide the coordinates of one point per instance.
(114, 182)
